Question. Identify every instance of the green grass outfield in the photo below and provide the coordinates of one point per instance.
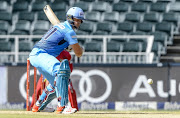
(92, 114)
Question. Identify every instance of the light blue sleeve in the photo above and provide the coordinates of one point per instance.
(71, 37)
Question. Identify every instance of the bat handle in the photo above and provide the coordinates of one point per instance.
(45, 8)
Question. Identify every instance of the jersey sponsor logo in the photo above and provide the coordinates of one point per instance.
(74, 37)
(85, 79)
(81, 14)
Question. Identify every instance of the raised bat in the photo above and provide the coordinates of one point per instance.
(50, 15)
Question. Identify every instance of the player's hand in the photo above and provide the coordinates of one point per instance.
(69, 48)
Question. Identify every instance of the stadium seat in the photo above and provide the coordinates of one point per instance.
(28, 16)
(59, 1)
(8, 1)
(119, 39)
(83, 5)
(144, 26)
(4, 6)
(5, 46)
(126, 26)
(171, 17)
(112, 16)
(4, 26)
(129, 1)
(159, 7)
(2, 33)
(100, 6)
(142, 40)
(105, 26)
(133, 17)
(157, 48)
(19, 32)
(119, 33)
(93, 46)
(48, 1)
(144, 46)
(99, 33)
(38, 6)
(160, 37)
(149, 1)
(61, 6)
(41, 26)
(41, 16)
(89, 0)
(87, 26)
(110, 1)
(21, 6)
(82, 40)
(80, 32)
(175, 7)
(61, 15)
(121, 7)
(165, 27)
(114, 47)
(29, 1)
(166, 1)
(5, 16)
(93, 16)
(152, 17)
(23, 26)
(132, 47)
(39, 32)
(25, 46)
(140, 7)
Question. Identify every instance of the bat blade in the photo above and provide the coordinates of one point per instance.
(50, 15)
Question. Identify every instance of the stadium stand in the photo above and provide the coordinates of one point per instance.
(153, 17)
(133, 17)
(4, 26)
(140, 7)
(38, 6)
(125, 26)
(159, 18)
(4, 6)
(60, 6)
(20, 6)
(101, 6)
(112, 16)
(5, 46)
(88, 27)
(26, 16)
(121, 7)
(83, 5)
(93, 16)
(42, 16)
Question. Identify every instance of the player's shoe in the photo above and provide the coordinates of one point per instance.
(69, 110)
(47, 109)
(66, 110)
(35, 108)
(60, 109)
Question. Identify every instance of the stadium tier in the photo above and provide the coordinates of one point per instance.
(159, 18)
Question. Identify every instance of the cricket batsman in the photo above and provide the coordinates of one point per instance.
(44, 53)
(50, 96)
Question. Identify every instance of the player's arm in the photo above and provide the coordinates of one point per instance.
(78, 50)
(72, 39)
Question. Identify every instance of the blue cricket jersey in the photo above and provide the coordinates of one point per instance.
(58, 38)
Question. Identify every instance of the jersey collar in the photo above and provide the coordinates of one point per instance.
(66, 22)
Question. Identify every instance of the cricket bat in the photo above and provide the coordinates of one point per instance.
(50, 15)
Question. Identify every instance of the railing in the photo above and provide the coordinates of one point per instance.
(99, 57)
